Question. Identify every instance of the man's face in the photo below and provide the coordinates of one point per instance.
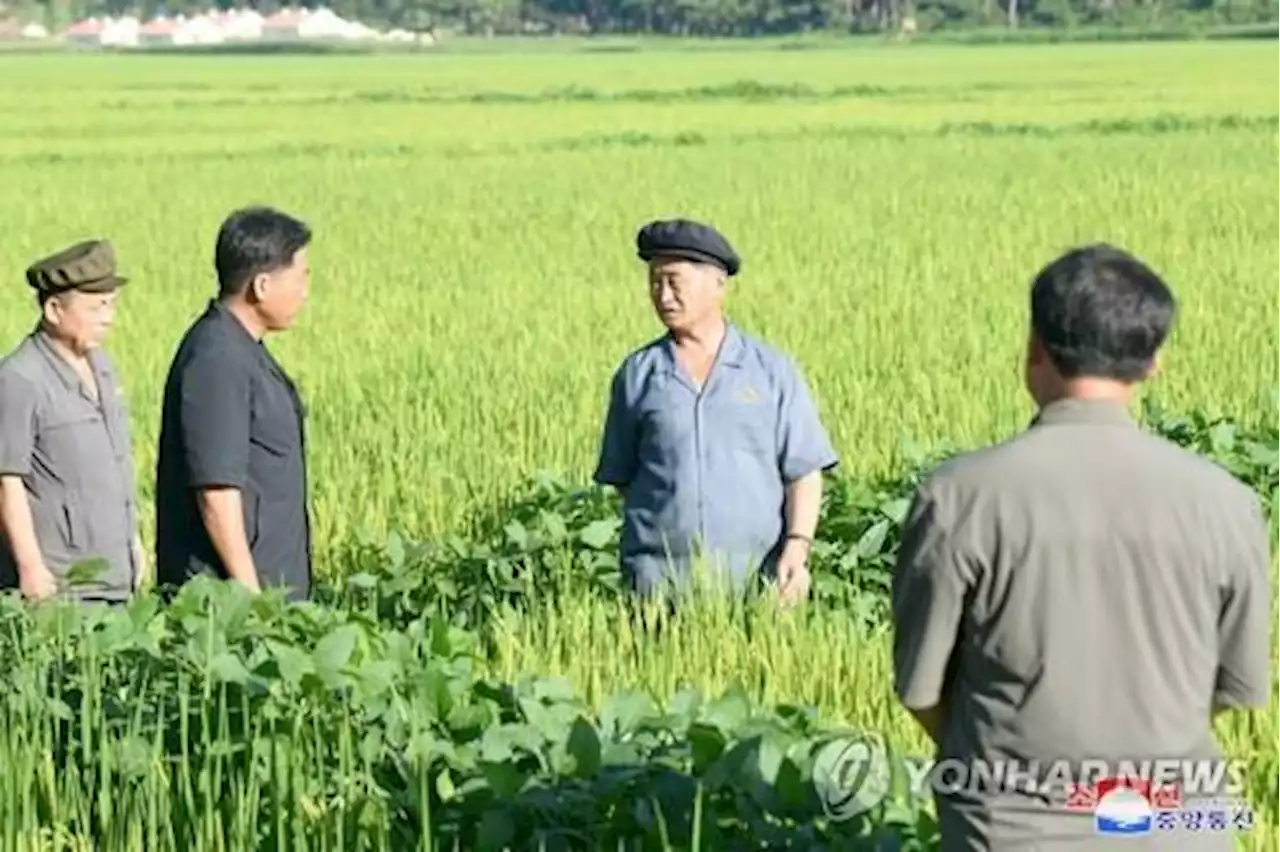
(79, 320)
(683, 292)
(282, 293)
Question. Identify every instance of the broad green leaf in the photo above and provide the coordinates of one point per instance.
(554, 525)
(873, 539)
(623, 712)
(444, 785)
(505, 779)
(598, 534)
(706, 743)
(433, 689)
(584, 745)
(292, 662)
(730, 711)
(769, 756)
(334, 651)
(227, 668)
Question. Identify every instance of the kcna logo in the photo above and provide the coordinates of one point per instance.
(1134, 807)
(854, 774)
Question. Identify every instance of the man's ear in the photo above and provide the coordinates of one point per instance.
(52, 310)
(257, 289)
(1036, 353)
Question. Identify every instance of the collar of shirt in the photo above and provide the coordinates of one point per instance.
(239, 332)
(730, 354)
(1089, 411)
(70, 378)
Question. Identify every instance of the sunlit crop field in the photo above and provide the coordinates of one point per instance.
(475, 282)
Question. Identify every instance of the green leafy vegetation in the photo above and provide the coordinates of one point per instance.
(371, 719)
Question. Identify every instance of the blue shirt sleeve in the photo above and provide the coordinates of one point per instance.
(803, 444)
(619, 444)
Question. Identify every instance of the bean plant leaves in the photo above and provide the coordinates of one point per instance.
(365, 719)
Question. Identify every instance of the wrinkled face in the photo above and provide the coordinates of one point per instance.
(81, 320)
(684, 293)
(280, 295)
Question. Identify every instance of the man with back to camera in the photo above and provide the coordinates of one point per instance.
(231, 483)
(67, 490)
(1085, 591)
(711, 435)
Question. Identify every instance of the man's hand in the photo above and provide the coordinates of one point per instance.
(139, 564)
(37, 583)
(223, 516)
(793, 572)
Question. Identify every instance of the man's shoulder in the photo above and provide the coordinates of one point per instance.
(642, 358)
(755, 347)
(1197, 473)
(22, 366)
(1033, 455)
(207, 338)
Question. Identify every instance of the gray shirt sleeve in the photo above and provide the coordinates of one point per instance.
(1244, 621)
(215, 415)
(17, 424)
(803, 444)
(619, 444)
(928, 597)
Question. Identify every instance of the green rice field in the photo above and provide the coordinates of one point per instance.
(475, 285)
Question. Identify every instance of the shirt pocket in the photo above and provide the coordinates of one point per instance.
(71, 525)
(270, 432)
(665, 422)
(751, 428)
(73, 445)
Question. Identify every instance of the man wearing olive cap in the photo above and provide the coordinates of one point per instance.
(711, 435)
(67, 492)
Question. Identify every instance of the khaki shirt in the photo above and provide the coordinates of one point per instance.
(1084, 591)
(73, 455)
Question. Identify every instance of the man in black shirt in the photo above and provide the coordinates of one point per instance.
(231, 482)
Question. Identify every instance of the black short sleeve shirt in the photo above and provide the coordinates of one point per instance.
(232, 417)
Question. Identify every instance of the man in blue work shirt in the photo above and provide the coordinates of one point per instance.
(712, 436)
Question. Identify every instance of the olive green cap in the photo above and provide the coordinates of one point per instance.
(89, 266)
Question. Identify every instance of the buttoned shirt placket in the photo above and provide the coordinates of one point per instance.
(700, 395)
(71, 379)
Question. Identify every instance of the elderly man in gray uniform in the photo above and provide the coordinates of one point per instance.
(66, 471)
(1085, 596)
(711, 435)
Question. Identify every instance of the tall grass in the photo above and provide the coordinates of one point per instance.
(475, 286)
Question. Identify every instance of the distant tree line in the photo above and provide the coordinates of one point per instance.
(724, 17)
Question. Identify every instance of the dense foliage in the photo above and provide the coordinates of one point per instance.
(558, 539)
(230, 722)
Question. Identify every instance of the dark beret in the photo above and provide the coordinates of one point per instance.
(88, 266)
(687, 240)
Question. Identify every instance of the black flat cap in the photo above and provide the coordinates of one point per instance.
(89, 266)
(687, 240)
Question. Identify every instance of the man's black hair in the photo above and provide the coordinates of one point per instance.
(1100, 312)
(254, 240)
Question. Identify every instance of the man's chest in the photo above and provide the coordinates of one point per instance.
(733, 410)
(275, 416)
(77, 435)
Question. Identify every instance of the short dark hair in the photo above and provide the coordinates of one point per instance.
(1100, 312)
(254, 240)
